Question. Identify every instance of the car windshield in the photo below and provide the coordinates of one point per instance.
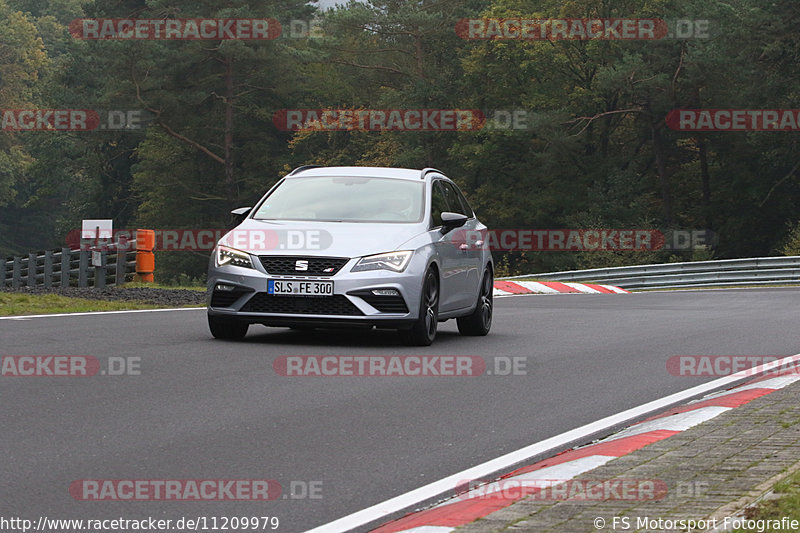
(345, 199)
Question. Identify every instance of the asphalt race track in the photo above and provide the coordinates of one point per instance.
(205, 409)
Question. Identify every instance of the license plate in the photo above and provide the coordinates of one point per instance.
(300, 287)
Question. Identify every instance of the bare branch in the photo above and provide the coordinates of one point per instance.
(589, 120)
(372, 67)
(780, 182)
(170, 131)
(678, 70)
(373, 51)
(190, 142)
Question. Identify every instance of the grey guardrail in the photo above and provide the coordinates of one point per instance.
(756, 271)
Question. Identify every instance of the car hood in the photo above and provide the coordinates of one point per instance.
(331, 239)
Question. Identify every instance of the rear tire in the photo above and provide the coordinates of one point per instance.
(423, 332)
(226, 328)
(479, 322)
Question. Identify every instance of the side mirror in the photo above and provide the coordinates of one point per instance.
(450, 221)
(239, 215)
(241, 211)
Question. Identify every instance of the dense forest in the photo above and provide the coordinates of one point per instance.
(596, 152)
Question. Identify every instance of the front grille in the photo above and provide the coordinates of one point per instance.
(317, 266)
(301, 305)
(227, 298)
(386, 304)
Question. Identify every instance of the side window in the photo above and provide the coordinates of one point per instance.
(464, 204)
(453, 200)
(438, 204)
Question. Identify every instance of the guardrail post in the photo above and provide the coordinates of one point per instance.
(66, 255)
(119, 268)
(83, 268)
(130, 263)
(16, 273)
(48, 269)
(32, 268)
(100, 272)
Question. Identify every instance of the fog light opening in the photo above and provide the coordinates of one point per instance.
(385, 292)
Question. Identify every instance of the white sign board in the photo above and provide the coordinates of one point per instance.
(97, 229)
(97, 259)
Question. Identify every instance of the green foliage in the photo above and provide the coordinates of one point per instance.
(597, 152)
(792, 245)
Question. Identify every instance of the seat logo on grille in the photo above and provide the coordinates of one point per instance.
(301, 264)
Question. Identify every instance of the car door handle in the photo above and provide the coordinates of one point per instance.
(464, 247)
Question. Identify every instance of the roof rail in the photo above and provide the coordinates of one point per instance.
(428, 170)
(302, 168)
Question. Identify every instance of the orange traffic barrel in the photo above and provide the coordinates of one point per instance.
(145, 258)
(145, 240)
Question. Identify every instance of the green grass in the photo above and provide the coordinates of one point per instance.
(788, 505)
(12, 304)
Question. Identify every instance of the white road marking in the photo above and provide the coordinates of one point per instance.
(676, 422)
(582, 287)
(89, 313)
(561, 472)
(446, 485)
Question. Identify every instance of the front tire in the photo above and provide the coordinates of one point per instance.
(226, 328)
(423, 332)
(479, 322)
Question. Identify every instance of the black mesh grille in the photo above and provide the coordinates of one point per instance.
(386, 304)
(301, 305)
(226, 298)
(317, 266)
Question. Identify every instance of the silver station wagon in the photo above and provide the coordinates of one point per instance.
(354, 247)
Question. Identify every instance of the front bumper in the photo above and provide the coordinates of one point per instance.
(352, 303)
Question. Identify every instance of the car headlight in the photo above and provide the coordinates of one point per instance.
(394, 261)
(232, 256)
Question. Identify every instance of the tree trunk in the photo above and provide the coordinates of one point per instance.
(418, 53)
(666, 193)
(231, 190)
(706, 179)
